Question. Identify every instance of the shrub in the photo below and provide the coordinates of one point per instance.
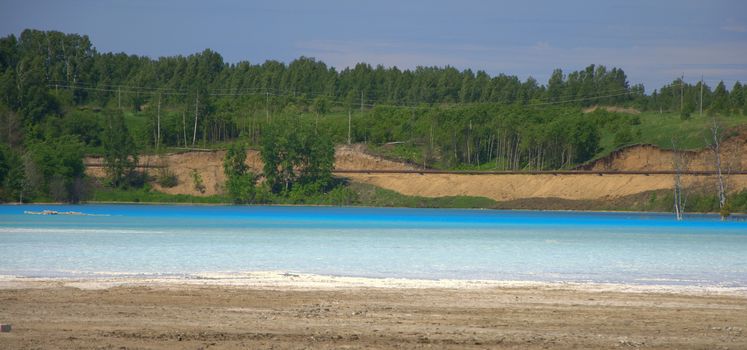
(167, 178)
(199, 185)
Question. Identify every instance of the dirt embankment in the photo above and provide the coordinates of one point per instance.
(355, 158)
(514, 187)
(650, 157)
(579, 187)
(209, 166)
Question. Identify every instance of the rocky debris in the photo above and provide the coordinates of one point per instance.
(55, 212)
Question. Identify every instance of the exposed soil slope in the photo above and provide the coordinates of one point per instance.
(513, 187)
(209, 166)
(650, 157)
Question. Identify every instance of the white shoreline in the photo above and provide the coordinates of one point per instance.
(280, 280)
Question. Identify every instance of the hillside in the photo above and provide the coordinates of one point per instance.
(651, 157)
(209, 165)
(434, 117)
(500, 188)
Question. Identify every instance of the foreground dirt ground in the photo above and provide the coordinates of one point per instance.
(216, 317)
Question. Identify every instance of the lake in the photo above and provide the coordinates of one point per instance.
(145, 240)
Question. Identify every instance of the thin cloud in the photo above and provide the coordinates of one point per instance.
(734, 26)
(542, 45)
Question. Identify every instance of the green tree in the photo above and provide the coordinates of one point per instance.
(584, 137)
(4, 163)
(720, 98)
(555, 86)
(737, 98)
(59, 164)
(120, 153)
(14, 184)
(240, 182)
(293, 155)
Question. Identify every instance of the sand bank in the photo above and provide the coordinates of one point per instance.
(302, 281)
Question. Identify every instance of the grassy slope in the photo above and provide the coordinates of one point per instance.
(150, 196)
(658, 129)
(370, 195)
(359, 194)
(352, 194)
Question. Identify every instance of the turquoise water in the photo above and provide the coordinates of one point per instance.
(373, 242)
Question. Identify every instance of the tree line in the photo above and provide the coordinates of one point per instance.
(60, 98)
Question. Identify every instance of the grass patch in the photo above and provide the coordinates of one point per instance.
(658, 129)
(360, 194)
(147, 195)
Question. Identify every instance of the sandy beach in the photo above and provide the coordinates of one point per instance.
(291, 311)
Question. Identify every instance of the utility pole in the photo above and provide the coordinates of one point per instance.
(349, 125)
(158, 124)
(701, 95)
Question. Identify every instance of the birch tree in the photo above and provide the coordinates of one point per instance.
(715, 147)
(679, 164)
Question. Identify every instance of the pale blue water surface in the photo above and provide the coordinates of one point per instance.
(180, 240)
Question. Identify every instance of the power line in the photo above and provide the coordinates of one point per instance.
(338, 101)
(256, 91)
(68, 86)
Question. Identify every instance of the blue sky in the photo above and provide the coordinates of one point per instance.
(653, 41)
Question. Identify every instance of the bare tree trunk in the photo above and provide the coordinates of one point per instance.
(469, 132)
(477, 152)
(716, 148)
(497, 147)
(431, 136)
(678, 164)
(194, 133)
(454, 143)
(490, 147)
(512, 153)
(184, 126)
(517, 153)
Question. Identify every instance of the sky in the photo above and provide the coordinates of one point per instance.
(653, 41)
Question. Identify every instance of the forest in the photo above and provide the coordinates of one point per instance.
(61, 99)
